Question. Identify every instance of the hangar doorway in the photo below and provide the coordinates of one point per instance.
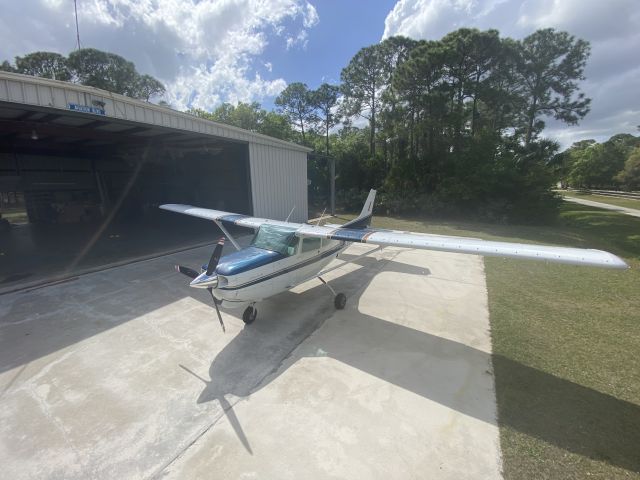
(81, 192)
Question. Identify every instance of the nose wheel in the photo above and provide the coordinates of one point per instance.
(249, 315)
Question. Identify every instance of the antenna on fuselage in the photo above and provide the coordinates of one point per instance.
(289, 216)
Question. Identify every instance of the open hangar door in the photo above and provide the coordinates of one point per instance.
(89, 189)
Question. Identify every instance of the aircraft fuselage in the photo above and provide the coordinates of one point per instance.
(253, 274)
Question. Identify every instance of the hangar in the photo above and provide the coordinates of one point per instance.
(73, 155)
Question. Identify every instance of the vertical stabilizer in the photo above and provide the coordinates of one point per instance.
(364, 219)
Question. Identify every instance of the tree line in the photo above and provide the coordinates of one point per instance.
(91, 67)
(611, 164)
(452, 125)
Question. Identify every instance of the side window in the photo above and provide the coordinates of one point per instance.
(309, 244)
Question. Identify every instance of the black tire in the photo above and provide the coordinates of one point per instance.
(249, 315)
(340, 301)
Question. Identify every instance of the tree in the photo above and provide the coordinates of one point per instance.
(104, 70)
(5, 66)
(250, 116)
(276, 125)
(629, 177)
(597, 165)
(549, 66)
(295, 103)
(362, 82)
(198, 112)
(44, 64)
(366, 78)
(111, 72)
(592, 164)
(564, 161)
(485, 54)
(324, 99)
(91, 67)
(147, 87)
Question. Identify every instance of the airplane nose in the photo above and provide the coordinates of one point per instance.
(205, 281)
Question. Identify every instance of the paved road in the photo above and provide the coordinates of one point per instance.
(125, 374)
(629, 211)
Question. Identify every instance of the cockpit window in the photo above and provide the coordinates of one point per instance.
(277, 239)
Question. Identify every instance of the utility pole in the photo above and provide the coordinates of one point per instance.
(332, 183)
(75, 9)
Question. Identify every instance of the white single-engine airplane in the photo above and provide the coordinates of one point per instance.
(283, 255)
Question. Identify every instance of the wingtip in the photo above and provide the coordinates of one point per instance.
(613, 261)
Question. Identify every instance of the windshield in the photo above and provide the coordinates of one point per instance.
(277, 239)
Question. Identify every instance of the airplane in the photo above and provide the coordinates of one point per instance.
(283, 255)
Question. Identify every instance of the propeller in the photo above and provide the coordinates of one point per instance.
(215, 257)
(189, 272)
(202, 279)
(215, 304)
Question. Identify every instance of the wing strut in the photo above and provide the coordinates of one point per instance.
(228, 235)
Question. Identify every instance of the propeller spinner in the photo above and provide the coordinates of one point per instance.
(207, 279)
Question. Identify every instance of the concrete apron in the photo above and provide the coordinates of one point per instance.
(126, 374)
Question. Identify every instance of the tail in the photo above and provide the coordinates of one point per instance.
(364, 219)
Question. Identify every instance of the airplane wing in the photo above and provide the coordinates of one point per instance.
(575, 256)
(227, 218)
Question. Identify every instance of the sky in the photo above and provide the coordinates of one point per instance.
(211, 51)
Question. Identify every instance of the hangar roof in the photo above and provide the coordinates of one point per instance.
(34, 106)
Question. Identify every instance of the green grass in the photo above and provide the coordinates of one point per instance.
(566, 347)
(618, 202)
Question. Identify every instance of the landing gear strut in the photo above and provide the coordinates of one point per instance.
(249, 315)
(339, 300)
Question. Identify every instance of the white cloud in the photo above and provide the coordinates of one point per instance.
(300, 39)
(612, 27)
(202, 50)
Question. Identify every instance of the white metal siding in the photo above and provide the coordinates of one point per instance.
(278, 182)
(43, 92)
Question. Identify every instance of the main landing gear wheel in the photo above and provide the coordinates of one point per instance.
(249, 315)
(340, 301)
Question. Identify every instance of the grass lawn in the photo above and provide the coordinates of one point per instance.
(566, 347)
(618, 202)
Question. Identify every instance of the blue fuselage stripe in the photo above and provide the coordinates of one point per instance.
(232, 218)
(349, 235)
(292, 268)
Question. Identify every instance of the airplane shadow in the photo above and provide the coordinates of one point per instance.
(575, 418)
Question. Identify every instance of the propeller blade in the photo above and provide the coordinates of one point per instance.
(215, 304)
(186, 271)
(215, 257)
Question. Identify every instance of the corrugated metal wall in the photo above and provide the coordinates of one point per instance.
(278, 182)
(43, 92)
